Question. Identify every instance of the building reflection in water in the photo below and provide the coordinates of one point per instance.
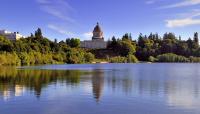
(97, 84)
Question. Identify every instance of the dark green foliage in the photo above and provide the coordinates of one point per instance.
(73, 43)
(5, 44)
(112, 44)
(169, 36)
(89, 57)
(152, 59)
(37, 49)
(196, 37)
(125, 48)
(127, 37)
(194, 59)
(170, 57)
(9, 59)
(153, 45)
(148, 46)
(38, 34)
(74, 56)
(132, 59)
(118, 59)
(122, 47)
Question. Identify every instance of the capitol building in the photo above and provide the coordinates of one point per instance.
(97, 41)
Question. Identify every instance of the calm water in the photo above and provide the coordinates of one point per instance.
(101, 89)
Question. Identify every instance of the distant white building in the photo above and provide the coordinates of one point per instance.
(97, 41)
(13, 36)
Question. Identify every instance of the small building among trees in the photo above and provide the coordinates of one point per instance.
(13, 36)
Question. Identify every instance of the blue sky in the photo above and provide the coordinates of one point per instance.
(76, 18)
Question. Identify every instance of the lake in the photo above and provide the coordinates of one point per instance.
(101, 89)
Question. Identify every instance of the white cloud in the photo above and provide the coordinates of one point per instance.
(88, 35)
(183, 3)
(185, 19)
(182, 22)
(57, 8)
(60, 30)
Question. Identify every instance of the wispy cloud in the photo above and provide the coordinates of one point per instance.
(57, 8)
(60, 30)
(184, 19)
(182, 4)
(182, 22)
(191, 14)
(87, 35)
(187, 19)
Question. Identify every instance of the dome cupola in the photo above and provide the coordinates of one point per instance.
(97, 28)
(97, 32)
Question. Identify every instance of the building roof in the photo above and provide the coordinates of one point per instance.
(97, 28)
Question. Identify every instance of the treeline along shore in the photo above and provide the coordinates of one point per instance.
(36, 49)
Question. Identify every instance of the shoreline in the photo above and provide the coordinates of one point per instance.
(142, 62)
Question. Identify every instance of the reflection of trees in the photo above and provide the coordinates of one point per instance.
(119, 80)
(35, 80)
(97, 83)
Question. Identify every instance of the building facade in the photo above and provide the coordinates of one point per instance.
(97, 41)
(13, 36)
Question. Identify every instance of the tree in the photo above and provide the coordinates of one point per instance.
(168, 46)
(127, 37)
(189, 42)
(170, 57)
(169, 36)
(126, 47)
(73, 42)
(196, 40)
(32, 36)
(38, 33)
(55, 41)
(179, 38)
(89, 57)
(74, 56)
(132, 59)
(5, 44)
(141, 41)
(112, 44)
